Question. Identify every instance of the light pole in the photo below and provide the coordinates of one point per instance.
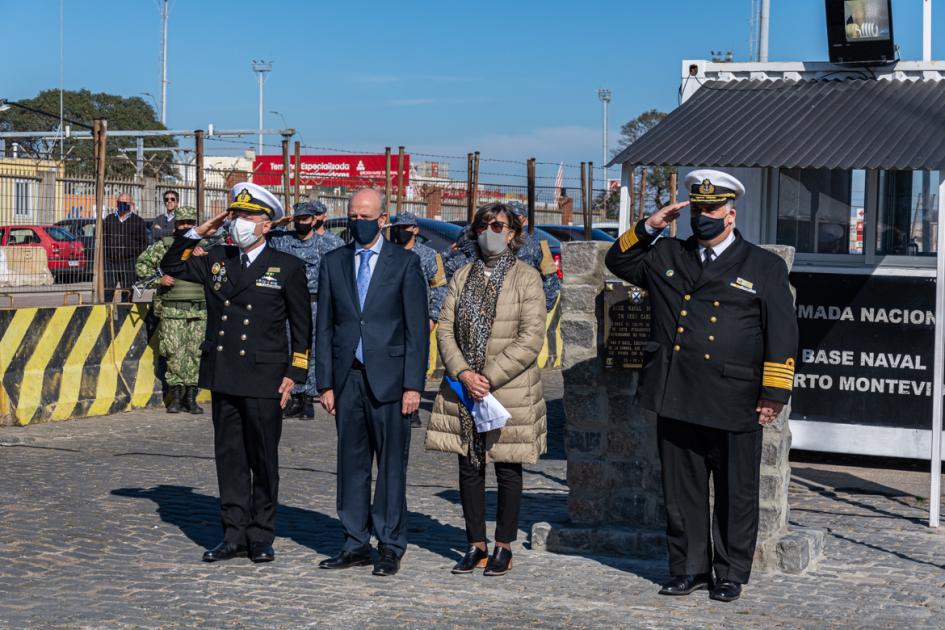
(604, 95)
(261, 68)
(285, 125)
(165, 12)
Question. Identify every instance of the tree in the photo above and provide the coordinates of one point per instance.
(657, 177)
(84, 106)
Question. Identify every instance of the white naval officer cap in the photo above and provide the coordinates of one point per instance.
(708, 186)
(254, 198)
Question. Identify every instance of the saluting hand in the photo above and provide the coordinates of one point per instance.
(210, 226)
(768, 411)
(665, 216)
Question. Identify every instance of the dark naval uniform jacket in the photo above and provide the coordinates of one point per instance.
(721, 338)
(245, 351)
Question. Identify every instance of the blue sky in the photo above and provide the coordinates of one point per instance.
(512, 79)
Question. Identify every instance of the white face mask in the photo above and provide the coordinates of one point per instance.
(243, 232)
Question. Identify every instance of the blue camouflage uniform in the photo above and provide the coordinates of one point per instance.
(536, 253)
(311, 251)
(431, 263)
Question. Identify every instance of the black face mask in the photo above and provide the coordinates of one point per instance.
(302, 229)
(400, 235)
(180, 231)
(317, 224)
(705, 227)
(363, 231)
(123, 207)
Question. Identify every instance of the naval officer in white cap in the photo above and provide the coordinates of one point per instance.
(246, 360)
(718, 369)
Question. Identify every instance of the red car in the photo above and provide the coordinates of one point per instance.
(64, 252)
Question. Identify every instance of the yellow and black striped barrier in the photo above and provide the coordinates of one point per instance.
(74, 361)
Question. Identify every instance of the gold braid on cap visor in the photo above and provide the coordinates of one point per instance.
(245, 201)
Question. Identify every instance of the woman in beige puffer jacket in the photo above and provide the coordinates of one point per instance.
(508, 346)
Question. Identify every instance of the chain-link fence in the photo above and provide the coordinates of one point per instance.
(49, 213)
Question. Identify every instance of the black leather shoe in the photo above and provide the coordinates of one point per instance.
(387, 564)
(308, 408)
(725, 590)
(224, 551)
(500, 563)
(474, 559)
(261, 552)
(415, 420)
(346, 560)
(685, 584)
(294, 407)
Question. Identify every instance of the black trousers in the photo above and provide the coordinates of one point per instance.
(472, 492)
(246, 434)
(688, 453)
(116, 273)
(369, 430)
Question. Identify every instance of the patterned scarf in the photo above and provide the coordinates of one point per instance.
(475, 315)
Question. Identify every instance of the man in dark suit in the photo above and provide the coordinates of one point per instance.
(718, 368)
(124, 237)
(252, 290)
(371, 360)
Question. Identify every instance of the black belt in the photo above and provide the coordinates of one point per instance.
(357, 365)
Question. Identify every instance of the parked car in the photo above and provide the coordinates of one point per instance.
(436, 234)
(554, 244)
(610, 227)
(566, 233)
(64, 252)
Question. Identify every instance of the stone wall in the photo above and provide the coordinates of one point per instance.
(615, 498)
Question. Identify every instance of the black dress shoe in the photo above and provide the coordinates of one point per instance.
(261, 552)
(294, 406)
(224, 551)
(387, 564)
(415, 420)
(500, 563)
(725, 590)
(308, 408)
(685, 584)
(474, 559)
(346, 560)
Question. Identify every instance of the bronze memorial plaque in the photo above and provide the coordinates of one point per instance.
(626, 325)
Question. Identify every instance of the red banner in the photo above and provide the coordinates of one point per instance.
(331, 170)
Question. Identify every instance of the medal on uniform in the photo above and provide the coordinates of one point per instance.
(216, 286)
(670, 273)
(215, 269)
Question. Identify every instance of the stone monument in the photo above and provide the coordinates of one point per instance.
(615, 501)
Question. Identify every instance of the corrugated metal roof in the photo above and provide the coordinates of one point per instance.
(838, 124)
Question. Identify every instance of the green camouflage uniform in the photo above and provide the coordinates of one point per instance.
(182, 310)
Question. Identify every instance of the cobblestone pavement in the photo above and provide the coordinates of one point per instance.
(104, 520)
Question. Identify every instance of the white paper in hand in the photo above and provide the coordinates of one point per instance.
(489, 414)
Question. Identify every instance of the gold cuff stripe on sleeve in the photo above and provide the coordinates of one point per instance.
(778, 371)
(300, 363)
(778, 383)
(628, 239)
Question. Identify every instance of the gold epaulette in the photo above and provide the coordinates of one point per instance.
(779, 375)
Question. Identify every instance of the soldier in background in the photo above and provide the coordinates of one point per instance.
(181, 308)
(536, 253)
(310, 241)
(404, 231)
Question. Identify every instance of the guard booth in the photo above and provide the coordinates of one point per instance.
(845, 165)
